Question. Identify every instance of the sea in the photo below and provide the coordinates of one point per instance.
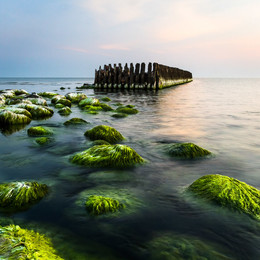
(160, 220)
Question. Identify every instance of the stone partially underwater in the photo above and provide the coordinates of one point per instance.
(108, 156)
(229, 193)
(39, 131)
(20, 195)
(18, 243)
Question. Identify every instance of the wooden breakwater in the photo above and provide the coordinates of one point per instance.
(156, 76)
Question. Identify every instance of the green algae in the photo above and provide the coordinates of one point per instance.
(64, 102)
(106, 107)
(65, 111)
(37, 101)
(92, 108)
(19, 195)
(58, 105)
(127, 110)
(100, 142)
(75, 121)
(229, 193)
(39, 131)
(19, 92)
(170, 246)
(105, 99)
(8, 117)
(119, 115)
(187, 151)
(89, 101)
(43, 140)
(108, 156)
(20, 111)
(97, 205)
(104, 132)
(75, 97)
(47, 94)
(18, 243)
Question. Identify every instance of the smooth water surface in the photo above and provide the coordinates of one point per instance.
(221, 115)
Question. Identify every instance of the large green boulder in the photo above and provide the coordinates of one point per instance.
(19, 243)
(106, 107)
(11, 118)
(97, 205)
(187, 151)
(19, 195)
(43, 140)
(47, 94)
(8, 93)
(228, 192)
(75, 121)
(19, 92)
(60, 99)
(65, 111)
(39, 131)
(127, 110)
(38, 101)
(104, 132)
(89, 101)
(108, 156)
(75, 97)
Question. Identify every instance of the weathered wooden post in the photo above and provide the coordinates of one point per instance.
(142, 85)
(131, 81)
(149, 75)
(119, 75)
(156, 76)
(137, 76)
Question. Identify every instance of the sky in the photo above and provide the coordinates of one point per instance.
(71, 38)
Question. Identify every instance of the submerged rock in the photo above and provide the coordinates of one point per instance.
(19, 195)
(90, 108)
(97, 205)
(65, 111)
(18, 243)
(76, 121)
(75, 97)
(187, 151)
(106, 99)
(89, 101)
(127, 110)
(106, 107)
(228, 192)
(43, 140)
(39, 131)
(19, 92)
(60, 99)
(100, 142)
(119, 115)
(104, 132)
(11, 118)
(38, 101)
(20, 111)
(108, 156)
(59, 106)
(47, 94)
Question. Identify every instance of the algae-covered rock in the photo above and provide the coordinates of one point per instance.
(106, 107)
(104, 132)
(100, 142)
(43, 140)
(75, 97)
(187, 151)
(19, 92)
(127, 110)
(47, 94)
(97, 205)
(119, 115)
(105, 99)
(38, 101)
(92, 108)
(108, 156)
(228, 192)
(10, 118)
(8, 93)
(76, 121)
(18, 243)
(170, 246)
(89, 101)
(65, 111)
(64, 102)
(18, 195)
(2, 101)
(91, 112)
(20, 111)
(56, 98)
(39, 131)
(58, 105)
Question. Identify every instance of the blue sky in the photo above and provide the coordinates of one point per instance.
(71, 38)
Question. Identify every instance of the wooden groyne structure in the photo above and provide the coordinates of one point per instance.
(157, 76)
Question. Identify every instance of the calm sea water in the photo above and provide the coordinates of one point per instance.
(221, 115)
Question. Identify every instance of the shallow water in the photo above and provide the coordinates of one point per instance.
(221, 115)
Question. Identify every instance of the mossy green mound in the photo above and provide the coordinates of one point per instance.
(187, 151)
(76, 121)
(89, 101)
(75, 97)
(9, 93)
(100, 142)
(43, 140)
(119, 115)
(97, 205)
(38, 101)
(59, 106)
(10, 118)
(104, 132)
(56, 98)
(65, 111)
(47, 94)
(105, 99)
(39, 131)
(92, 112)
(228, 192)
(108, 156)
(127, 110)
(20, 111)
(64, 102)
(170, 246)
(17, 195)
(18, 243)
(19, 92)
(92, 108)
(106, 107)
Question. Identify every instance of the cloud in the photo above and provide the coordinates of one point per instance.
(75, 49)
(114, 47)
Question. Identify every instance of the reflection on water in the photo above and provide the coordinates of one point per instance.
(221, 115)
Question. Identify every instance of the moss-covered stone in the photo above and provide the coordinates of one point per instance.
(106, 107)
(43, 140)
(108, 156)
(86, 86)
(187, 151)
(105, 99)
(100, 142)
(91, 112)
(89, 101)
(18, 243)
(47, 94)
(104, 132)
(11, 118)
(127, 110)
(92, 108)
(39, 131)
(118, 104)
(19, 195)
(130, 106)
(62, 88)
(8, 93)
(228, 192)
(75, 97)
(19, 92)
(58, 105)
(65, 111)
(64, 102)
(38, 101)
(119, 115)
(75, 121)
(56, 98)
(20, 111)
(97, 205)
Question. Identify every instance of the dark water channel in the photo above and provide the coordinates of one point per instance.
(221, 115)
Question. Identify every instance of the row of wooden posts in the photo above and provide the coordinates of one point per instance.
(137, 77)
